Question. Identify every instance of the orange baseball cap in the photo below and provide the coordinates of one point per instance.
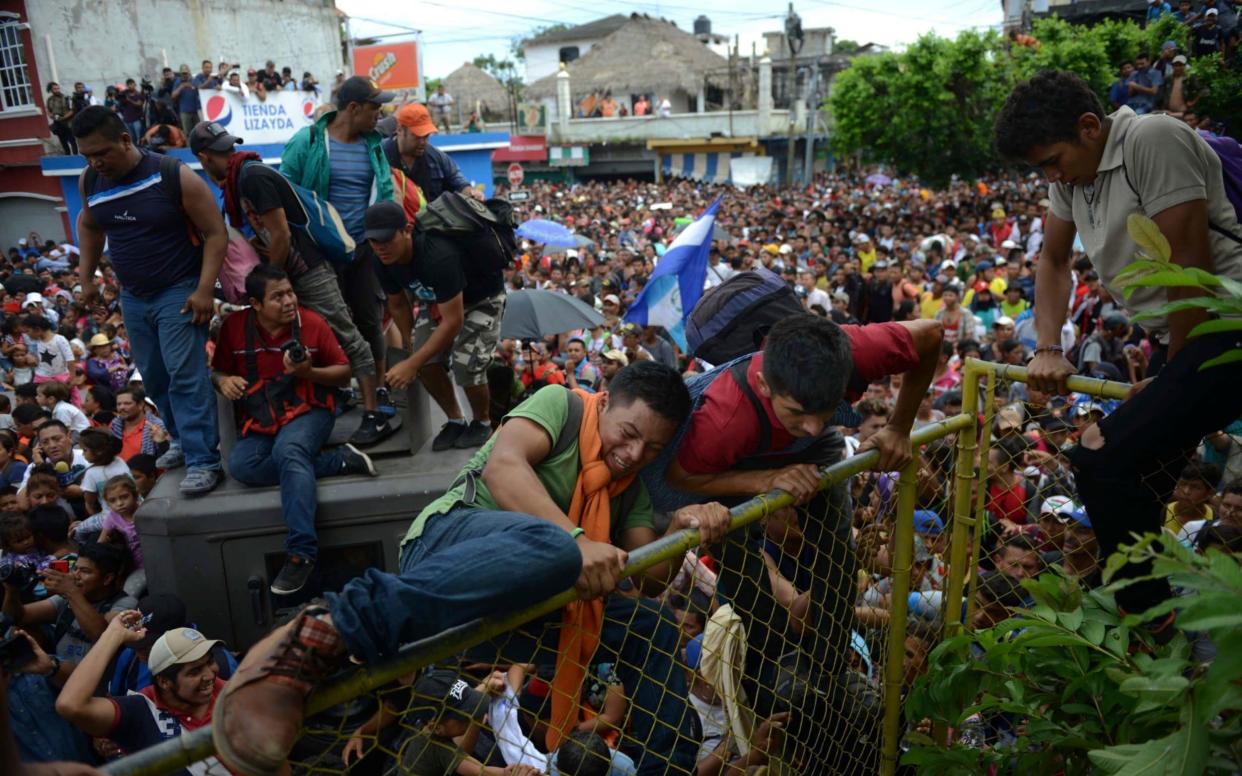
(417, 119)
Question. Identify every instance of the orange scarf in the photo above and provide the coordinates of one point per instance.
(582, 621)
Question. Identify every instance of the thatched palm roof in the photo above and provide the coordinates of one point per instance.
(469, 85)
(643, 56)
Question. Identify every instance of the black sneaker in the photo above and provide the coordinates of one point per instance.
(293, 575)
(374, 427)
(354, 461)
(448, 436)
(473, 436)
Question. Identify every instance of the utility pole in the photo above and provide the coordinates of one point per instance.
(793, 40)
(812, 112)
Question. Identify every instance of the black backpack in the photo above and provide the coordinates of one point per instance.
(732, 319)
(487, 229)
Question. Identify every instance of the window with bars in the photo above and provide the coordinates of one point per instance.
(15, 88)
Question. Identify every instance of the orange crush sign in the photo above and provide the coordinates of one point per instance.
(390, 65)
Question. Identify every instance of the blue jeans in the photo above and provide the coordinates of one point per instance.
(292, 459)
(134, 128)
(467, 564)
(170, 351)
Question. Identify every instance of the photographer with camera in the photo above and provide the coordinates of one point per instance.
(133, 104)
(280, 363)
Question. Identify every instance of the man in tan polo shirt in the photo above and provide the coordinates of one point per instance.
(1100, 169)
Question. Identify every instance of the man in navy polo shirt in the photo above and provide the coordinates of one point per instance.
(179, 700)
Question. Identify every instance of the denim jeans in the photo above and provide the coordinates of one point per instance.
(293, 459)
(467, 564)
(134, 128)
(171, 354)
(1126, 483)
(319, 290)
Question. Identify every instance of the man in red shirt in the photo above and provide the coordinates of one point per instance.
(769, 421)
(279, 363)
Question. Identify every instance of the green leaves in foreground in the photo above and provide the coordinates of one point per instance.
(1061, 675)
(1153, 266)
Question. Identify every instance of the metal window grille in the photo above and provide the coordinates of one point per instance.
(15, 87)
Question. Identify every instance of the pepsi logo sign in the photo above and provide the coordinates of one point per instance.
(217, 109)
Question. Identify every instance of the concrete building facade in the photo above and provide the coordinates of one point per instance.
(105, 43)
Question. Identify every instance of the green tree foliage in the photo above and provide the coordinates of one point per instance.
(1222, 84)
(928, 110)
(503, 70)
(1082, 698)
(845, 46)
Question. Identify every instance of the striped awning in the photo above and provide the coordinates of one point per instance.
(708, 167)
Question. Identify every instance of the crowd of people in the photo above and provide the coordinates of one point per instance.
(159, 113)
(1161, 81)
(112, 361)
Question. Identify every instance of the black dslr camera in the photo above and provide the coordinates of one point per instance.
(296, 350)
(18, 572)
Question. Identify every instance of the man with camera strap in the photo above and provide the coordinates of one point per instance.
(280, 364)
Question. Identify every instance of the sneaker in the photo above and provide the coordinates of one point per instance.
(259, 713)
(293, 575)
(448, 436)
(384, 405)
(198, 482)
(473, 436)
(354, 461)
(171, 459)
(373, 429)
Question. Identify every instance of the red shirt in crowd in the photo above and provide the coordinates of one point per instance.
(319, 341)
(724, 429)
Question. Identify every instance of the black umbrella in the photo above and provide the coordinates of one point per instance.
(532, 314)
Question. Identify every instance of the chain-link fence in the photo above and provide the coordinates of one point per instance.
(784, 647)
(790, 646)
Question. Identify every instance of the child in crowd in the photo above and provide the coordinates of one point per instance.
(9, 501)
(50, 354)
(121, 495)
(54, 397)
(16, 538)
(142, 470)
(49, 525)
(1190, 509)
(101, 450)
(11, 469)
(6, 412)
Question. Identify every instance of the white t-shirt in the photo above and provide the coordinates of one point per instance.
(97, 476)
(1167, 164)
(77, 466)
(71, 416)
(54, 356)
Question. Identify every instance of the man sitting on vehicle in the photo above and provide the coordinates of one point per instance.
(426, 267)
(280, 363)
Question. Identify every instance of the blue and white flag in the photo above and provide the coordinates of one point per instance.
(677, 282)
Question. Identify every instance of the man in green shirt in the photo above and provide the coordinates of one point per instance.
(500, 540)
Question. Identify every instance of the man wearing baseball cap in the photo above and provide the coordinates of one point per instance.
(179, 699)
(470, 295)
(410, 150)
(450, 707)
(263, 198)
(340, 159)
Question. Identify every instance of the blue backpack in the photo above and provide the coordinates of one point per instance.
(320, 222)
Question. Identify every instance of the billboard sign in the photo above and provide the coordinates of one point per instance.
(255, 121)
(392, 66)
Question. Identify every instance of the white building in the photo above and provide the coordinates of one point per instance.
(546, 52)
(107, 42)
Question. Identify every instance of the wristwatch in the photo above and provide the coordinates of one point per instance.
(55, 667)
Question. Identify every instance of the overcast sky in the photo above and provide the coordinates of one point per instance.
(456, 32)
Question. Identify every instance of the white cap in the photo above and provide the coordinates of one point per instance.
(1004, 320)
(178, 646)
(1009, 245)
(34, 297)
(1210, 12)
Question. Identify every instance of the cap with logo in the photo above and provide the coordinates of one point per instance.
(211, 136)
(383, 220)
(439, 691)
(361, 89)
(177, 647)
(416, 118)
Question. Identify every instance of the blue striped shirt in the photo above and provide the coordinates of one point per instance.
(349, 184)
